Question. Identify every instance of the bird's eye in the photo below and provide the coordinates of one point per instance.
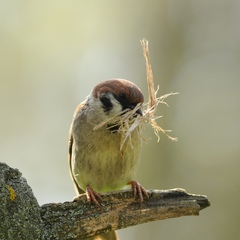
(122, 96)
(107, 104)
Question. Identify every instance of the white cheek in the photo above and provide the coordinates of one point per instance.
(96, 111)
(117, 107)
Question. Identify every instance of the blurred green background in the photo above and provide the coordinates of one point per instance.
(53, 52)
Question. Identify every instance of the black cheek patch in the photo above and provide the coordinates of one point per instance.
(107, 104)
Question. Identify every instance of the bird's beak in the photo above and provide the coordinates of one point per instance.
(139, 111)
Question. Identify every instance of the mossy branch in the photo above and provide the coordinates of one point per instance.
(22, 218)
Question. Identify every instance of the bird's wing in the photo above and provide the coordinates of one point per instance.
(70, 145)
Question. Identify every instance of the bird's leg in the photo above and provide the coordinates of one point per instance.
(138, 190)
(92, 196)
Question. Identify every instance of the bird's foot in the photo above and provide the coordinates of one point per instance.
(92, 196)
(138, 190)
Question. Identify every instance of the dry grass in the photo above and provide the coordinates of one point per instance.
(153, 100)
(126, 119)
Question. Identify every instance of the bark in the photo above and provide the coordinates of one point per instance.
(22, 218)
(19, 212)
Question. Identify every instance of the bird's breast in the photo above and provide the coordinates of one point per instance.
(98, 161)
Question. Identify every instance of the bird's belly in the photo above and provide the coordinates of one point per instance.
(106, 169)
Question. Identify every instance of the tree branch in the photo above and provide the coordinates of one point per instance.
(78, 219)
(22, 218)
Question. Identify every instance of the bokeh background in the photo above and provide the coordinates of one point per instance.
(53, 52)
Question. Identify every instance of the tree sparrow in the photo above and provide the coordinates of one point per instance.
(96, 163)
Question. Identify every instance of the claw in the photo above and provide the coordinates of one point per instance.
(138, 190)
(92, 196)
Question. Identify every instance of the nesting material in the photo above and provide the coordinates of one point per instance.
(153, 100)
(127, 121)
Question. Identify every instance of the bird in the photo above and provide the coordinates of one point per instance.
(96, 162)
